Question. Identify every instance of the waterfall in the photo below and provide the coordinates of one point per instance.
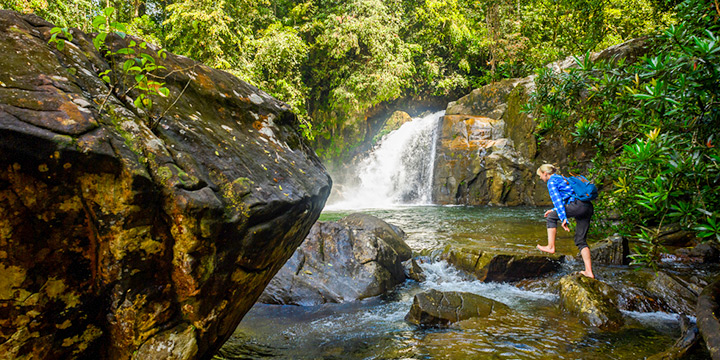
(397, 171)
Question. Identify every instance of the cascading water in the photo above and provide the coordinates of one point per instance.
(398, 171)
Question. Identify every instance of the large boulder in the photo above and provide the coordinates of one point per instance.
(490, 266)
(437, 308)
(593, 301)
(130, 233)
(357, 257)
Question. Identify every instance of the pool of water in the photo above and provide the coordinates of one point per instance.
(534, 328)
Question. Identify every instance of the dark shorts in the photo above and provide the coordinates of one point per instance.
(581, 211)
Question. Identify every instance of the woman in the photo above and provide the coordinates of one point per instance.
(566, 205)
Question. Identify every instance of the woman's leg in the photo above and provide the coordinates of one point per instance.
(582, 212)
(552, 220)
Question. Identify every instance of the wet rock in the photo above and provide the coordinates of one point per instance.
(702, 253)
(414, 271)
(489, 266)
(436, 308)
(356, 257)
(674, 292)
(675, 235)
(611, 251)
(138, 232)
(593, 301)
(708, 312)
(689, 338)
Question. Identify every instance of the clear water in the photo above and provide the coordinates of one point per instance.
(536, 328)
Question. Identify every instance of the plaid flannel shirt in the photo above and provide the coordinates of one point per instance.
(560, 194)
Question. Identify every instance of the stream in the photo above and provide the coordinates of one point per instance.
(375, 328)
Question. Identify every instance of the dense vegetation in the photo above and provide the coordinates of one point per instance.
(653, 122)
(333, 61)
(655, 126)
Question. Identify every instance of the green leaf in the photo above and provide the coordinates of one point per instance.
(108, 11)
(148, 58)
(99, 21)
(164, 91)
(138, 102)
(127, 64)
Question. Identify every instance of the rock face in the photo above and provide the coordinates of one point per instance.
(357, 257)
(127, 233)
(487, 152)
(476, 161)
(488, 266)
(708, 313)
(436, 308)
(592, 300)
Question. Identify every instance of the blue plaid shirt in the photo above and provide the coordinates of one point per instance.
(560, 193)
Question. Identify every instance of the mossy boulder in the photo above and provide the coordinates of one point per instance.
(357, 257)
(138, 233)
(502, 267)
(437, 308)
(593, 301)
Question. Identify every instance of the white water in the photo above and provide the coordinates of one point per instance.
(397, 172)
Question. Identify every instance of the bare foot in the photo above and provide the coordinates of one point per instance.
(546, 249)
(590, 275)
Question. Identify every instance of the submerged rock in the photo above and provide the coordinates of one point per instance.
(436, 308)
(680, 348)
(354, 258)
(489, 266)
(138, 233)
(593, 301)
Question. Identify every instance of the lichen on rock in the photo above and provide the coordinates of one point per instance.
(120, 238)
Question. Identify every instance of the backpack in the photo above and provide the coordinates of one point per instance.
(584, 190)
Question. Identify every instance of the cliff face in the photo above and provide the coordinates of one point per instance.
(120, 239)
(487, 151)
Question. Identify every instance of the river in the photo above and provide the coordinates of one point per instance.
(375, 328)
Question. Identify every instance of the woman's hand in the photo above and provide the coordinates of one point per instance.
(548, 212)
(565, 225)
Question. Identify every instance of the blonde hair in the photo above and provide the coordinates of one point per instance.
(546, 168)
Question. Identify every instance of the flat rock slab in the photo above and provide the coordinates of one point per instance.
(436, 308)
(502, 267)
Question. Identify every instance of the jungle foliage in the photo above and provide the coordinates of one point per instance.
(333, 61)
(655, 126)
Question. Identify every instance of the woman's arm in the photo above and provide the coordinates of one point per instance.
(556, 198)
